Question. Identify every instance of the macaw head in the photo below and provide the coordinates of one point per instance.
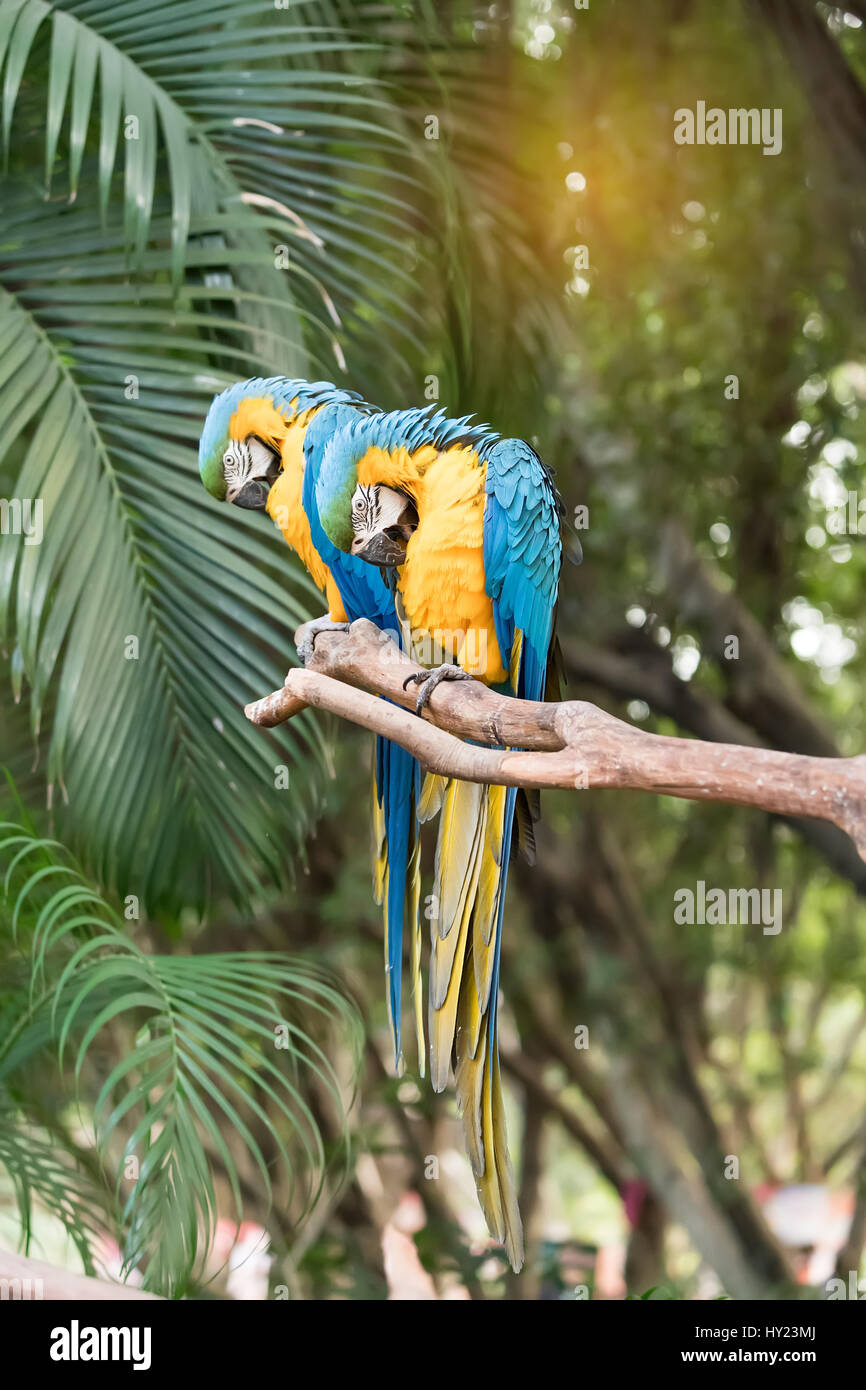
(370, 520)
(383, 521)
(239, 450)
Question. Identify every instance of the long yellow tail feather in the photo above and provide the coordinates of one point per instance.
(469, 861)
(455, 851)
(430, 800)
(479, 1097)
(380, 850)
(413, 903)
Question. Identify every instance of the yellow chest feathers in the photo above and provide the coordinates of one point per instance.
(442, 583)
(284, 504)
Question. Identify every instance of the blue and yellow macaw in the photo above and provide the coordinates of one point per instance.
(470, 524)
(260, 449)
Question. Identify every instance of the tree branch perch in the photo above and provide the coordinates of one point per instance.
(571, 745)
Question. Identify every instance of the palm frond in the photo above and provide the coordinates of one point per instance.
(233, 129)
(40, 1171)
(147, 641)
(224, 1051)
(194, 86)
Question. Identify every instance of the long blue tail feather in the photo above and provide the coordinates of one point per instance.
(395, 787)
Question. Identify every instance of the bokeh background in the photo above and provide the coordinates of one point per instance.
(484, 206)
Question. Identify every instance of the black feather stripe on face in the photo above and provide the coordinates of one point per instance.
(236, 467)
(376, 508)
(366, 510)
(246, 461)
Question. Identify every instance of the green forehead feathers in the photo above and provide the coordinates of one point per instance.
(336, 514)
(212, 471)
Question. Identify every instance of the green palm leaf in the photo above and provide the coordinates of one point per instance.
(224, 1051)
(146, 617)
(225, 131)
(195, 85)
(39, 1170)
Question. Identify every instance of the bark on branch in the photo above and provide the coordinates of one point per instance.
(572, 745)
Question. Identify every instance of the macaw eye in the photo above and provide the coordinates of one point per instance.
(227, 456)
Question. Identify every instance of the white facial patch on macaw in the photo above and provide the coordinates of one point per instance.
(378, 510)
(244, 461)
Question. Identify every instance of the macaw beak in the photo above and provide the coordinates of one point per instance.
(380, 549)
(253, 497)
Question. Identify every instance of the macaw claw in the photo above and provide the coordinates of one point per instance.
(428, 681)
(309, 633)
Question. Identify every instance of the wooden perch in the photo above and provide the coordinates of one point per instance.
(573, 744)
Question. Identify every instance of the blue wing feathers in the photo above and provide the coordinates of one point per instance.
(522, 555)
(521, 564)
